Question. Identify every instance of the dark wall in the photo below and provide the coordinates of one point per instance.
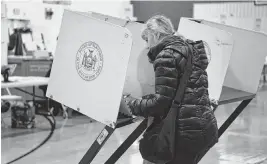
(174, 10)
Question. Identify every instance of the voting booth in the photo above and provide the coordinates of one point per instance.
(236, 55)
(247, 59)
(89, 67)
(109, 61)
(100, 58)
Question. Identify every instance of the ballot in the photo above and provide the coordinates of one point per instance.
(124, 109)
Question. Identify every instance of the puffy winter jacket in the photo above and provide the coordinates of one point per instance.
(196, 124)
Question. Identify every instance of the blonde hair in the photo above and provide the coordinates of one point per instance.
(158, 24)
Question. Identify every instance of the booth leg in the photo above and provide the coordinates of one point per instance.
(233, 116)
(97, 145)
(107, 131)
(229, 121)
(127, 143)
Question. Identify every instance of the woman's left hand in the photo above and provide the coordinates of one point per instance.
(128, 99)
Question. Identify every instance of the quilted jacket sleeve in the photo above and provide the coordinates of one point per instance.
(168, 66)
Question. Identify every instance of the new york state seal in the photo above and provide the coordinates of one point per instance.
(89, 61)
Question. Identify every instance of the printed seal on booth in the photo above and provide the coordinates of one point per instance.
(89, 61)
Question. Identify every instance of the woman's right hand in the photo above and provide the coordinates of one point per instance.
(214, 103)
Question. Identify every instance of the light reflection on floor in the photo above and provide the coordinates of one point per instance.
(244, 143)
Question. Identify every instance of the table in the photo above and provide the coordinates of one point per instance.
(30, 66)
(10, 97)
(228, 95)
(21, 81)
(18, 82)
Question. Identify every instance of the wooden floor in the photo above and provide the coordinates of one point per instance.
(244, 143)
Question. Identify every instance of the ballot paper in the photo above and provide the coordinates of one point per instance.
(124, 109)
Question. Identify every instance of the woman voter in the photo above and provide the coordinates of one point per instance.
(196, 130)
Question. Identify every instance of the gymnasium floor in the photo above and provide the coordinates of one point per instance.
(244, 143)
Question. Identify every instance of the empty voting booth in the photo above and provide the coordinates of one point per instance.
(95, 67)
(237, 56)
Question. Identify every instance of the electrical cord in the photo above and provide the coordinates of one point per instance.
(53, 126)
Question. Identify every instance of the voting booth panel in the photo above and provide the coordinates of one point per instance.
(114, 20)
(89, 67)
(140, 77)
(218, 46)
(111, 19)
(247, 59)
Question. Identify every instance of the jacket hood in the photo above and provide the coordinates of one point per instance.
(167, 41)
